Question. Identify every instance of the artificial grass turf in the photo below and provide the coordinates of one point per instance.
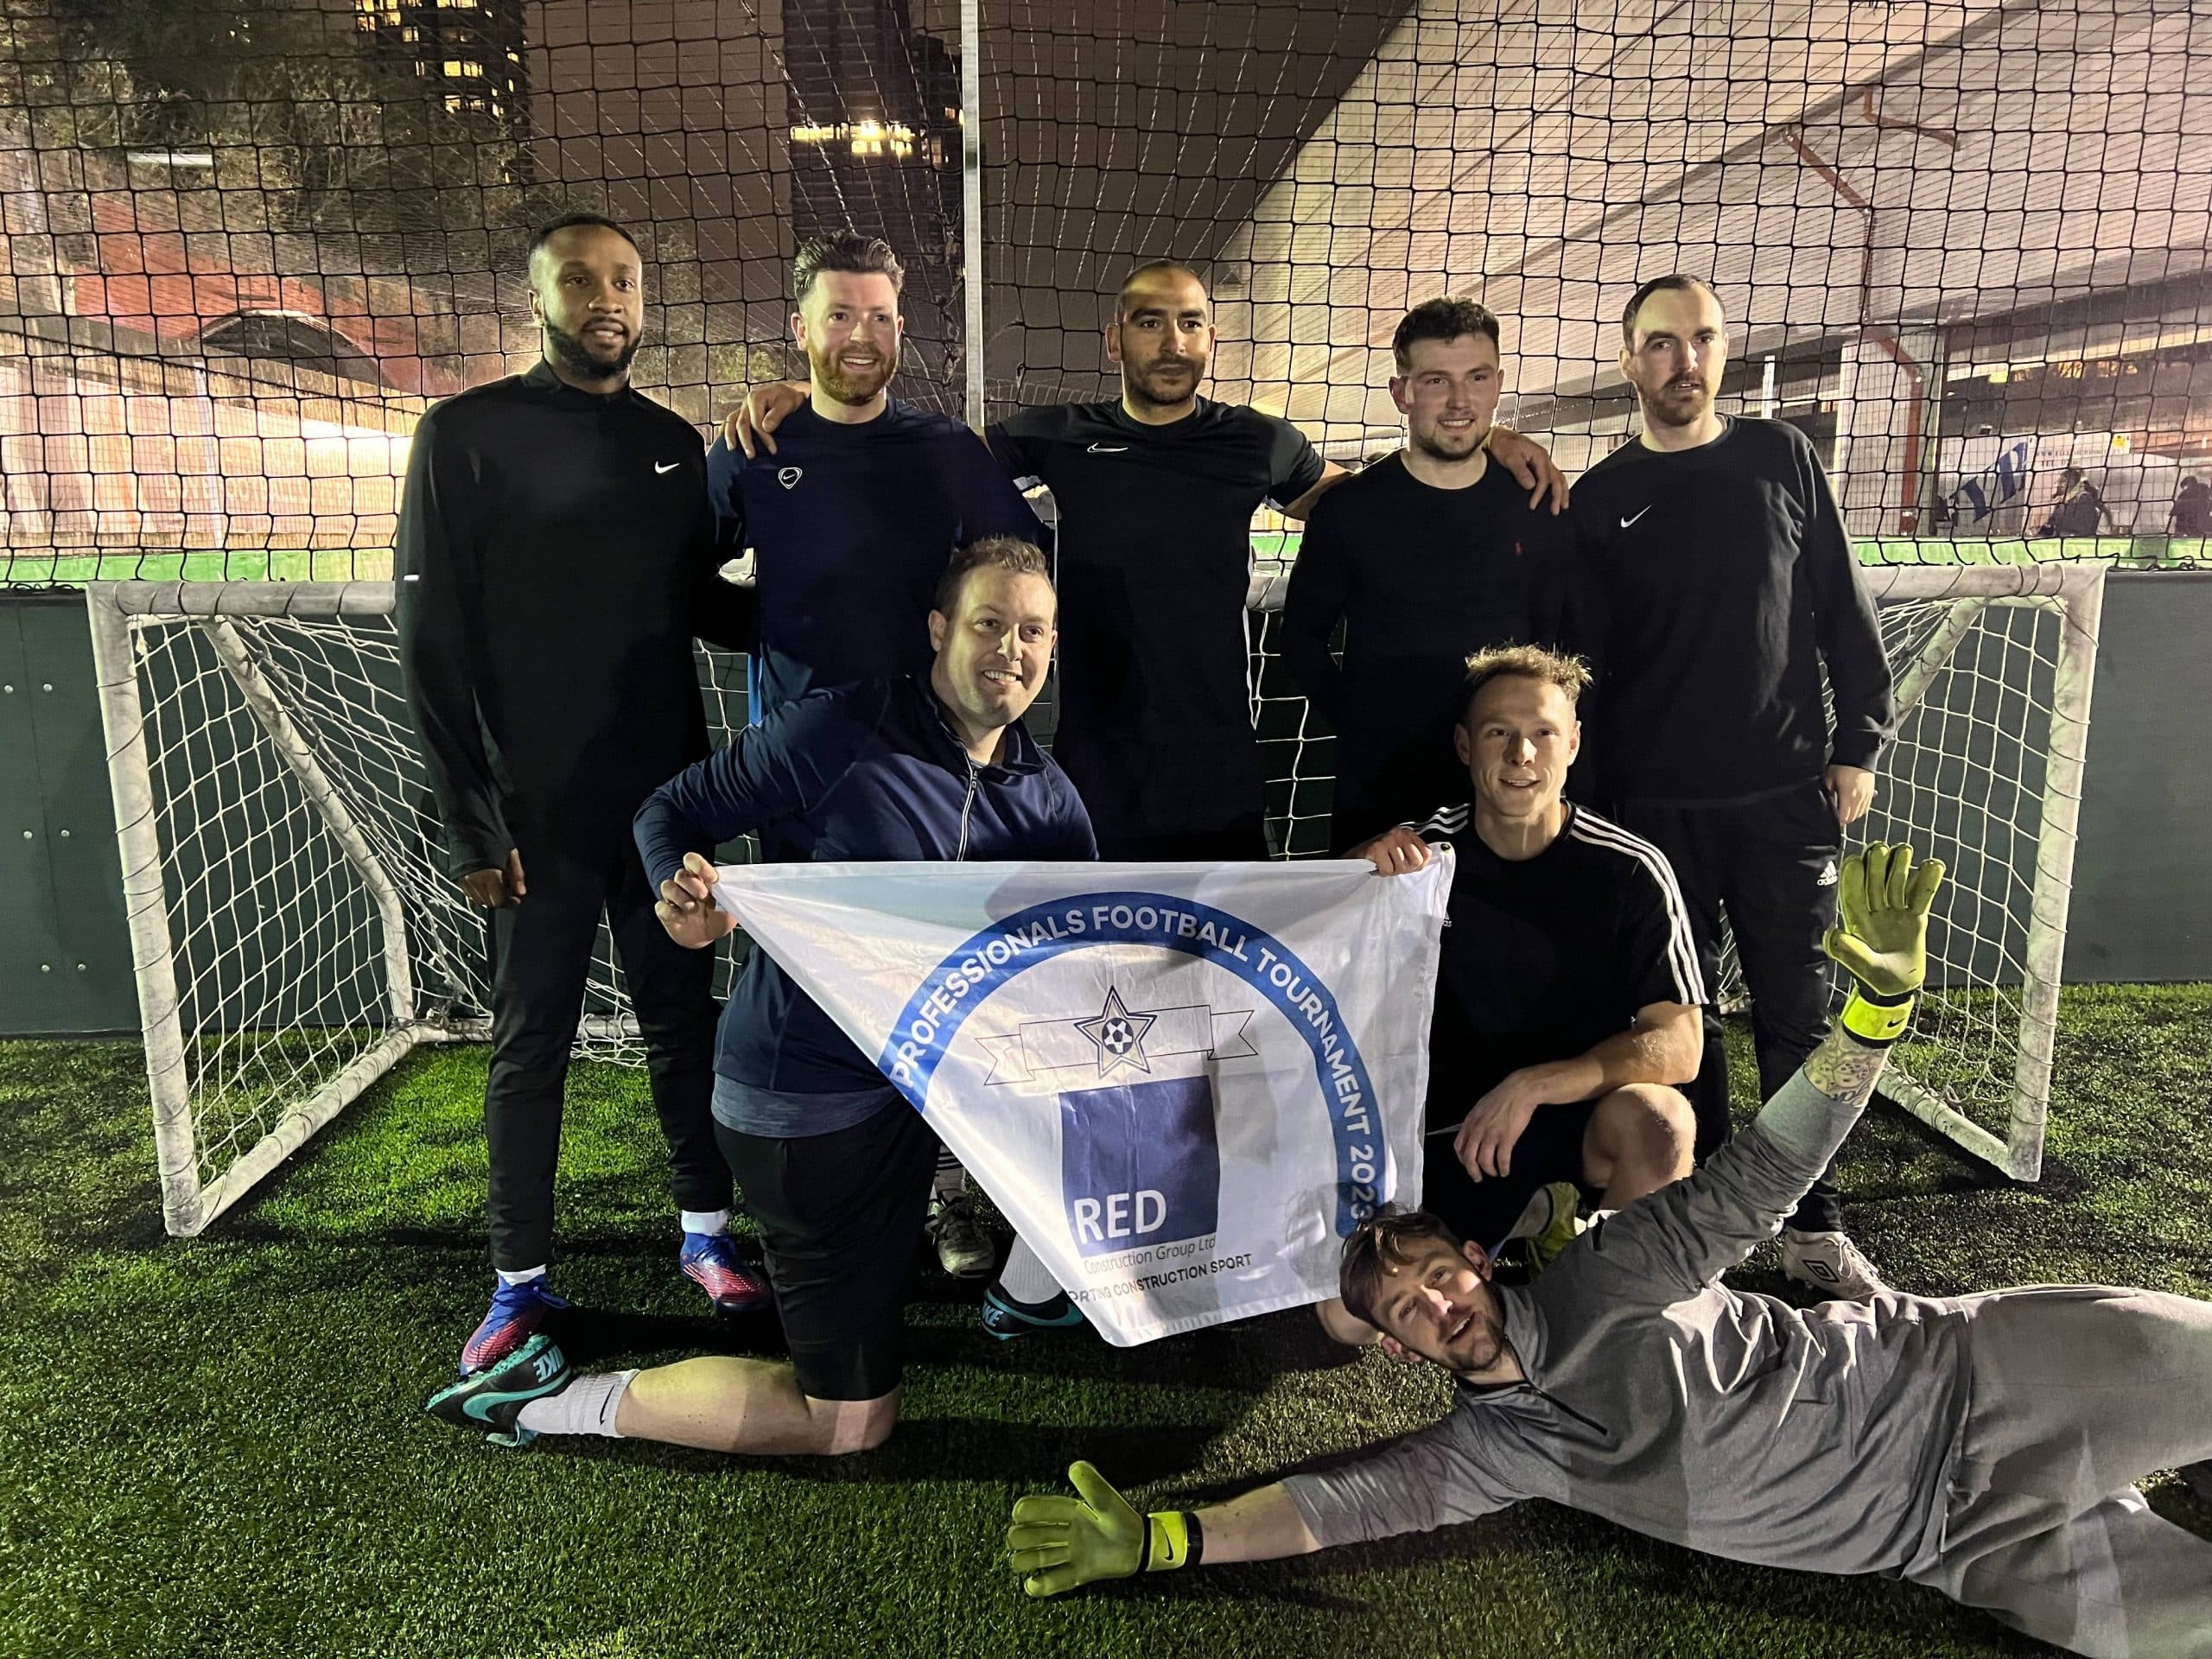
(215, 1446)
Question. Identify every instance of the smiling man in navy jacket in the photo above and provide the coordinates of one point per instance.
(835, 1167)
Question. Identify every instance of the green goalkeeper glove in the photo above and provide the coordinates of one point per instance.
(1883, 938)
(1058, 1543)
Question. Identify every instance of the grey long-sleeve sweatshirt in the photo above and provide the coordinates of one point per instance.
(1659, 1399)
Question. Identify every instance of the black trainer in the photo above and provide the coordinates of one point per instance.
(491, 1401)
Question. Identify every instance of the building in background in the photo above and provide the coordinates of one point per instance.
(472, 49)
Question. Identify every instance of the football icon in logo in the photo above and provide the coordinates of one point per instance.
(790, 475)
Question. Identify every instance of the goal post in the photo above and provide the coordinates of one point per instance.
(1994, 666)
(154, 882)
(294, 933)
(2019, 627)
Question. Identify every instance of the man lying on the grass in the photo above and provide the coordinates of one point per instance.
(1985, 1446)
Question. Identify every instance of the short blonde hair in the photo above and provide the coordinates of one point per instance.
(1570, 673)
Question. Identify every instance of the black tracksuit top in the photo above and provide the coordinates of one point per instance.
(1728, 583)
(554, 557)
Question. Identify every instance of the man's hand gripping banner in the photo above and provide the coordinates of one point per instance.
(1182, 1084)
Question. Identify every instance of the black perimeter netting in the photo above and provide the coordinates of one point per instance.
(1964, 246)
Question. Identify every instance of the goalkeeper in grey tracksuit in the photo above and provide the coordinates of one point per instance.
(1986, 1446)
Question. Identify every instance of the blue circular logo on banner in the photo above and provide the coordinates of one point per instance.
(995, 957)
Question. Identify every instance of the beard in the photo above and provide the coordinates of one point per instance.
(588, 361)
(1669, 408)
(848, 388)
(1479, 1346)
(1437, 447)
(1163, 385)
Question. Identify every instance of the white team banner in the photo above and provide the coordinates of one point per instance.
(1184, 1083)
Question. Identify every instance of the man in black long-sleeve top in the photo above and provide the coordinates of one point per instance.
(1728, 583)
(555, 555)
(1426, 557)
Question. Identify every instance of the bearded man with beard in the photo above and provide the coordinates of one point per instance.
(850, 524)
(555, 559)
(1728, 584)
(851, 519)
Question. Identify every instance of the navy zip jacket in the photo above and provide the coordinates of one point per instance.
(875, 773)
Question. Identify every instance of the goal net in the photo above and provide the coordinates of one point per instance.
(293, 935)
(1994, 666)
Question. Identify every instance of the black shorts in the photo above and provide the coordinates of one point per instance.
(1549, 1149)
(840, 1217)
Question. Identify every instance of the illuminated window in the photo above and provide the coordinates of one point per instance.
(865, 137)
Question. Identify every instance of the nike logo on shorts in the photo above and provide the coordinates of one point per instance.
(1625, 523)
(660, 470)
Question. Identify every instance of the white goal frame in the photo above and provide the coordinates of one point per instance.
(2073, 592)
(117, 610)
(188, 1206)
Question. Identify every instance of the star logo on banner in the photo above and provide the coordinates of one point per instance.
(1118, 1035)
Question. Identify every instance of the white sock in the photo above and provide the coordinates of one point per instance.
(951, 1179)
(587, 1406)
(521, 1278)
(1024, 1277)
(704, 1220)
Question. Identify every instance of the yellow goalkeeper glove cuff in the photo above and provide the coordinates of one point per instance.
(1875, 1019)
(1173, 1539)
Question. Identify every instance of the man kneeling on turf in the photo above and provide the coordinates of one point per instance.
(835, 1167)
(1567, 996)
(1986, 1446)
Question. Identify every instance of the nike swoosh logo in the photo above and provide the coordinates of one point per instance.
(660, 470)
(1108, 448)
(1625, 523)
(481, 1406)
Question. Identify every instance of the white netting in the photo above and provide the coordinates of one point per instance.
(274, 940)
(1966, 782)
(1971, 780)
(311, 936)
(1980, 655)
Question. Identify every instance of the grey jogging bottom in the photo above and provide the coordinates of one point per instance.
(2077, 1392)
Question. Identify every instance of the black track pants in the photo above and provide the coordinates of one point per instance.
(544, 951)
(1771, 865)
